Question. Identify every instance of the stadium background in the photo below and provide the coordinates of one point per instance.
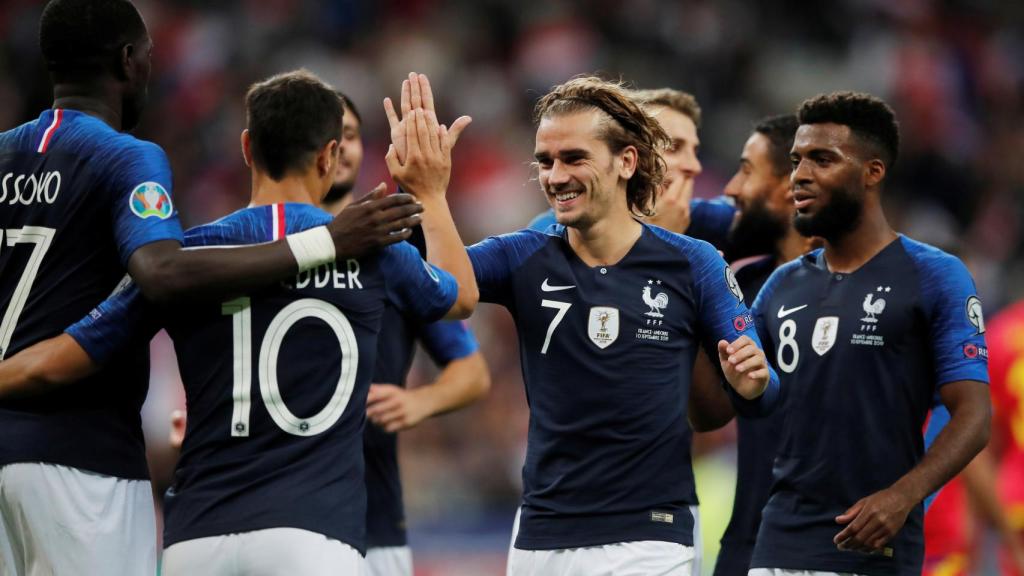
(954, 72)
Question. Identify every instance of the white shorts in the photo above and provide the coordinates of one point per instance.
(697, 550)
(269, 552)
(644, 558)
(66, 521)
(389, 561)
(781, 572)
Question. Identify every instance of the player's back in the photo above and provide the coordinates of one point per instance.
(70, 220)
(276, 383)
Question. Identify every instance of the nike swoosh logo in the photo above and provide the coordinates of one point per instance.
(549, 288)
(783, 312)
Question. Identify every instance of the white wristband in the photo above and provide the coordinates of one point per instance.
(312, 247)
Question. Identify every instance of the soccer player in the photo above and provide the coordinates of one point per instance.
(763, 197)
(863, 331)
(610, 314)
(679, 115)
(253, 490)
(464, 378)
(84, 203)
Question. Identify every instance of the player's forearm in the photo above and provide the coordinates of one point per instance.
(461, 383)
(958, 443)
(446, 251)
(43, 367)
(168, 273)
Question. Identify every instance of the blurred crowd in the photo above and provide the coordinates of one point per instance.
(953, 71)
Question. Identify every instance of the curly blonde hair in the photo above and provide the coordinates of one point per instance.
(626, 124)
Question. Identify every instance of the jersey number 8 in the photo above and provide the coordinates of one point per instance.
(241, 315)
(787, 340)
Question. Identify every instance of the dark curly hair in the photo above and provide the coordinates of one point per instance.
(82, 37)
(779, 130)
(867, 116)
(290, 117)
(626, 125)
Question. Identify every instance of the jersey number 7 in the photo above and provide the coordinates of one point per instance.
(240, 311)
(41, 238)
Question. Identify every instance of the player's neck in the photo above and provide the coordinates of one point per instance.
(871, 236)
(94, 99)
(291, 188)
(607, 241)
(791, 245)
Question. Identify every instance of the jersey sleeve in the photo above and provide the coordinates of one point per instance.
(447, 340)
(492, 269)
(955, 320)
(123, 318)
(140, 189)
(724, 316)
(710, 221)
(416, 286)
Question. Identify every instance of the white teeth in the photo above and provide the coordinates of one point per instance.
(564, 196)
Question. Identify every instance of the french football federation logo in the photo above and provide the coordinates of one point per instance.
(655, 303)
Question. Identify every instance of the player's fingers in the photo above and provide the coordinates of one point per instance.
(416, 96)
(406, 98)
(748, 365)
(399, 212)
(428, 136)
(426, 92)
(759, 374)
(723, 351)
(413, 145)
(378, 193)
(742, 353)
(455, 131)
(389, 111)
(850, 513)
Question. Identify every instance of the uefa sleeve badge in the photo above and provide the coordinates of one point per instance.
(151, 200)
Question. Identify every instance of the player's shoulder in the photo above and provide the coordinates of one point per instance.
(792, 270)
(927, 256)
(256, 224)
(683, 245)
(526, 241)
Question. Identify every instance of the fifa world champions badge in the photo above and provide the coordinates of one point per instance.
(150, 199)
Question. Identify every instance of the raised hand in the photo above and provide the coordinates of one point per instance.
(374, 221)
(745, 366)
(417, 93)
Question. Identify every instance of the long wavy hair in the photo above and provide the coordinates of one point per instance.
(626, 124)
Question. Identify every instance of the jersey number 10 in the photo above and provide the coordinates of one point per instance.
(240, 311)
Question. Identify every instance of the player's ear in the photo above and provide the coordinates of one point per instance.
(874, 172)
(627, 162)
(327, 159)
(246, 148)
(124, 62)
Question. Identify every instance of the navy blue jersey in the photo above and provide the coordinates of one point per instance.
(756, 444)
(78, 198)
(861, 356)
(445, 341)
(710, 221)
(276, 383)
(607, 353)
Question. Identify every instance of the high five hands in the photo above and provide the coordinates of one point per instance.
(419, 157)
